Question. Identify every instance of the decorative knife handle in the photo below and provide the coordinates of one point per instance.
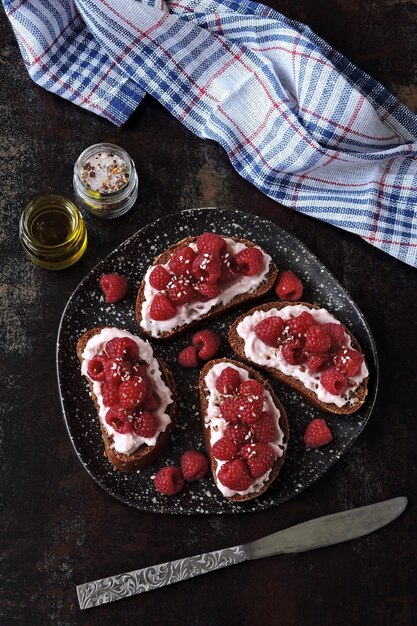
(149, 578)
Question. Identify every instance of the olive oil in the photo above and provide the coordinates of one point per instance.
(52, 232)
(51, 227)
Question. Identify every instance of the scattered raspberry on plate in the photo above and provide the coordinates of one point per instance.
(114, 287)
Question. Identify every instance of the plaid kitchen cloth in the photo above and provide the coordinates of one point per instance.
(296, 118)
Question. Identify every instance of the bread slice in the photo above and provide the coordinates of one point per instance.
(238, 346)
(145, 455)
(283, 423)
(266, 284)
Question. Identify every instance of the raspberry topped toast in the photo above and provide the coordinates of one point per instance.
(306, 348)
(200, 277)
(134, 395)
(245, 429)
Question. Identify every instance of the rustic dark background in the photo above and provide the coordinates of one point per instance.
(58, 528)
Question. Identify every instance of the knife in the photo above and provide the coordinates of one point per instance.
(316, 533)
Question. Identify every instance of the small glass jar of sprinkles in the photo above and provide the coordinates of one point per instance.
(105, 181)
(52, 232)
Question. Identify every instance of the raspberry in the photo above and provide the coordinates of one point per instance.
(207, 343)
(161, 308)
(292, 352)
(211, 243)
(229, 270)
(260, 458)
(235, 475)
(252, 389)
(348, 361)
(228, 382)
(145, 425)
(250, 261)
(180, 291)
(229, 410)
(237, 432)
(248, 409)
(168, 480)
(337, 334)
(118, 418)
(207, 291)
(333, 381)
(269, 330)
(317, 434)
(318, 362)
(189, 357)
(152, 401)
(117, 370)
(288, 287)
(114, 287)
(122, 347)
(140, 370)
(317, 341)
(224, 449)
(132, 392)
(206, 267)
(181, 261)
(299, 325)
(264, 430)
(159, 277)
(193, 465)
(110, 394)
(95, 368)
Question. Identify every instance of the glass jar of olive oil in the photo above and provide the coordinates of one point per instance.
(52, 232)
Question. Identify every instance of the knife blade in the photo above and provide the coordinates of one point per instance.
(316, 533)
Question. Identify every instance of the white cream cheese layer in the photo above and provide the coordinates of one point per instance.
(186, 313)
(218, 425)
(258, 352)
(129, 442)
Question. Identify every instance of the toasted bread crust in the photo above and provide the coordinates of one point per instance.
(145, 455)
(263, 288)
(283, 421)
(238, 346)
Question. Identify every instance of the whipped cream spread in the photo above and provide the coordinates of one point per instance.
(127, 443)
(218, 425)
(260, 353)
(186, 313)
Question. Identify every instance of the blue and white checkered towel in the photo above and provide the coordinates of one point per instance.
(296, 118)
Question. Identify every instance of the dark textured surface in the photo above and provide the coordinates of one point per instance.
(87, 310)
(58, 527)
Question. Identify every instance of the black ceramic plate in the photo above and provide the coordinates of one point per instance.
(87, 309)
